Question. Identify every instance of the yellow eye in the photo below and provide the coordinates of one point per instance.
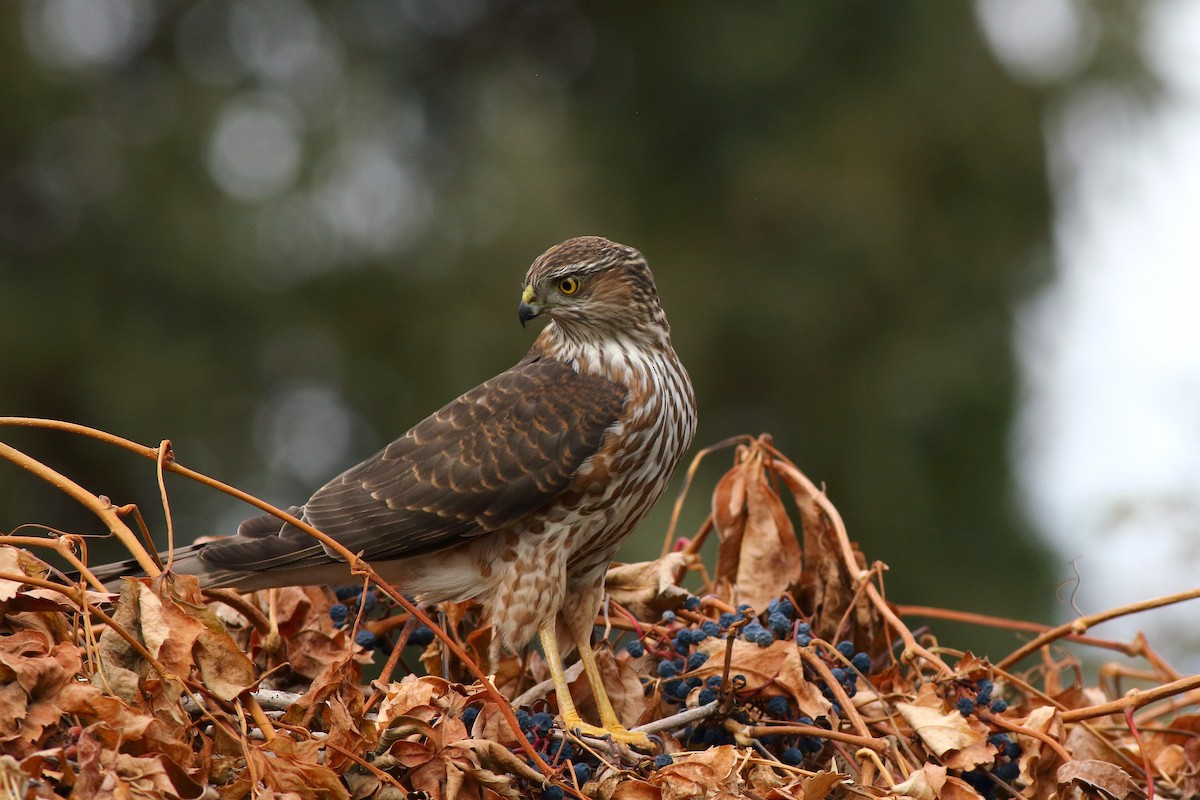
(569, 285)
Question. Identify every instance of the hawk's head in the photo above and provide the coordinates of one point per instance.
(590, 282)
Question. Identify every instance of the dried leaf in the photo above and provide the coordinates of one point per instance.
(770, 670)
(1099, 775)
(820, 785)
(942, 732)
(648, 588)
(15, 561)
(701, 774)
(923, 784)
(632, 789)
(758, 552)
(1034, 755)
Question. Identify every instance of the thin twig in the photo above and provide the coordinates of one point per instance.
(101, 508)
(1080, 625)
(1135, 698)
(687, 483)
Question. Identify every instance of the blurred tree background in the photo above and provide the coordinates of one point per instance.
(280, 232)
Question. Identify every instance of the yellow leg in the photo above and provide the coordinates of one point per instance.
(566, 706)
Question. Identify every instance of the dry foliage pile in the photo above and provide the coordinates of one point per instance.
(787, 675)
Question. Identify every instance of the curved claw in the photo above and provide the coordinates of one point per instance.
(618, 734)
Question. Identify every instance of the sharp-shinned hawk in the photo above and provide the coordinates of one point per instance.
(519, 492)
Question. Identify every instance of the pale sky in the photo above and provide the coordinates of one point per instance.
(1107, 448)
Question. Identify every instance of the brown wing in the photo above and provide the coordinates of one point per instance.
(494, 455)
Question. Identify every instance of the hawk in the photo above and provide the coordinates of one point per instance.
(519, 492)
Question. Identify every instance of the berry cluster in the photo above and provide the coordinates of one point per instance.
(673, 662)
(1005, 768)
(344, 612)
(537, 728)
(967, 705)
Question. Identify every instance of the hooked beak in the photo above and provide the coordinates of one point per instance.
(529, 307)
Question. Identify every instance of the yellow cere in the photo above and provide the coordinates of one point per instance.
(528, 296)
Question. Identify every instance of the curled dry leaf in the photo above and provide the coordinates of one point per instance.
(334, 703)
(923, 784)
(648, 588)
(708, 773)
(942, 731)
(758, 551)
(33, 672)
(14, 561)
(776, 669)
(1099, 776)
(1036, 755)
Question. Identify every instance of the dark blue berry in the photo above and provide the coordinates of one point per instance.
(421, 636)
(699, 635)
(563, 752)
(692, 603)
(812, 744)
(713, 682)
(778, 707)
(1008, 771)
(1012, 750)
(803, 640)
(524, 719)
(781, 604)
(668, 616)
(862, 663)
(965, 706)
(365, 638)
(338, 613)
(681, 644)
(839, 674)
(675, 689)
(804, 720)
(745, 610)
(781, 625)
(793, 757)
(711, 628)
(846, 649)
(635, 649)
(345, 593)
(998, 740)
(583, 773)
(804, 629)
(541, 722)
(662, 759)
(368, 602)
(727, 619)
(715, 737)
(552, 793)
(999, 707)
(469, 715)
(706, 696)
(667, 669)
(696, 660)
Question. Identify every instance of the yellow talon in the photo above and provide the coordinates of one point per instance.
(610, 726)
